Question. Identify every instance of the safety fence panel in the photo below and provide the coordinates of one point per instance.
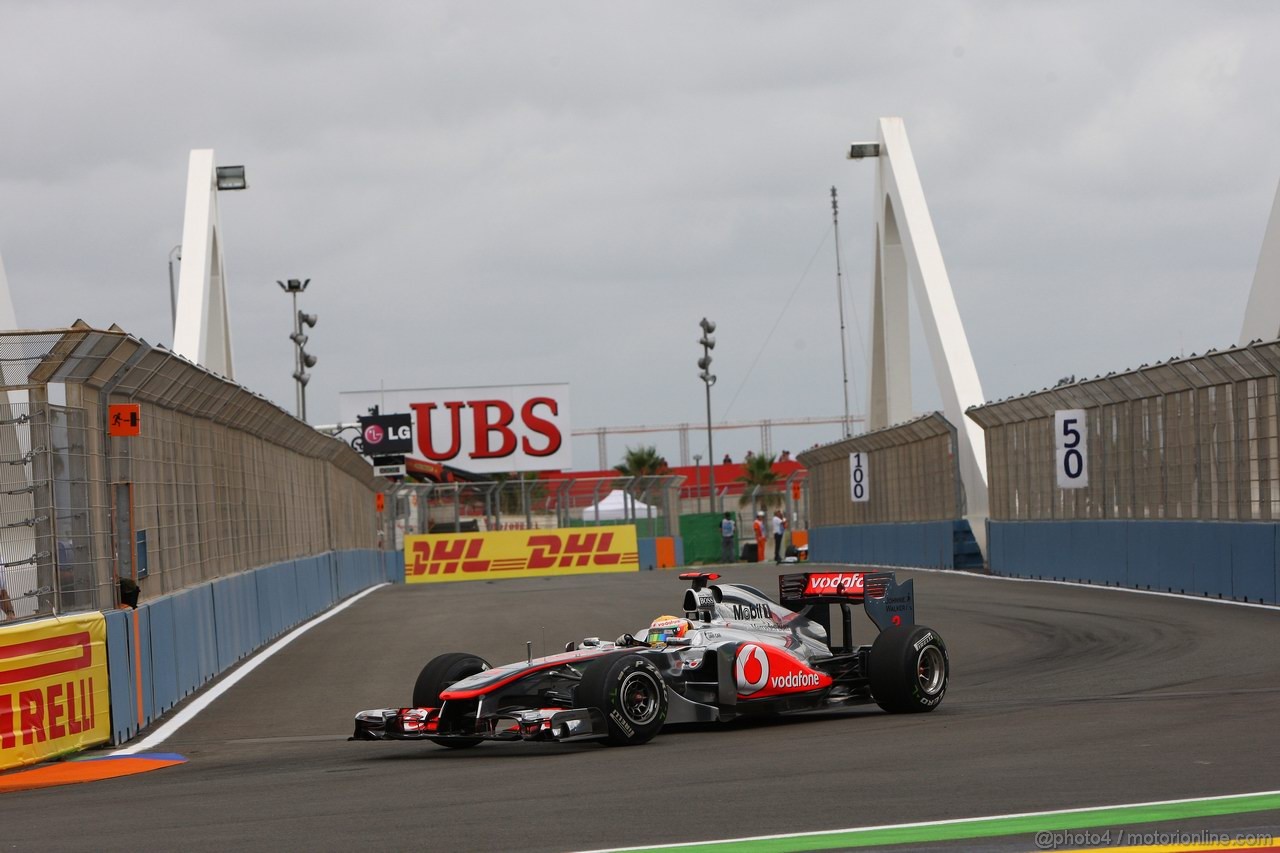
(1176, 481)
(910, 473)
(1192, 438)
(890, 497)
(125, 468)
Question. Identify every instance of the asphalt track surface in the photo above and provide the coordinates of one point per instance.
(1060, 697)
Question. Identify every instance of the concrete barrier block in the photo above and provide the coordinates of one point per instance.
(120, 675)
(1253, 561)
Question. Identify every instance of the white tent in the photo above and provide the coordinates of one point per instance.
(616, 505)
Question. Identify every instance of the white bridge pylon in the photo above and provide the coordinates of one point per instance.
(1262, 314)
(907, 250)
(202, 330)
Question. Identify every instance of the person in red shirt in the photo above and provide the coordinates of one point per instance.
(758, 529)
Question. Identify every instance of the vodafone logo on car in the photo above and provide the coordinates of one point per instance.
(762, 672)
(834, 583)
(752, 669)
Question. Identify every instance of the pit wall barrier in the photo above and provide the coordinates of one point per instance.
(168, 648)
(660, 552)
(928, 544)
(1235, 560)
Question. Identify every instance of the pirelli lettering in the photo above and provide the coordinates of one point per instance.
(53, 688)
(520, 553)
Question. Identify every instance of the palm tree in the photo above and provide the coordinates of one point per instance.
(758, 471)
(643, 461)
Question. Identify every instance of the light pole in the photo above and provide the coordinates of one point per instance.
(708, 379)
(301, 358)
(174, 254)
(697, 478)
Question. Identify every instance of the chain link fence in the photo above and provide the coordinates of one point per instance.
(213, 480)
(909, 474)
(1192, 438)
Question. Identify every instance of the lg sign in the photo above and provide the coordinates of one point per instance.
(483, 430)
(386, 435)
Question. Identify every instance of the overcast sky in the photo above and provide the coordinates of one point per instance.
(496, 193)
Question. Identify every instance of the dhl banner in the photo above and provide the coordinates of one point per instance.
(53, 688)
(520, 554)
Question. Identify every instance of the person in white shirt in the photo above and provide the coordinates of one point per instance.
(779, 525)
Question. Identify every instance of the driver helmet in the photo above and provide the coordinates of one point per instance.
(664, 628)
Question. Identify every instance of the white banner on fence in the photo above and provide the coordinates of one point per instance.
(1071, 438)
(859, 488)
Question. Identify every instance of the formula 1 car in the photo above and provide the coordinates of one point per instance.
(733, 653)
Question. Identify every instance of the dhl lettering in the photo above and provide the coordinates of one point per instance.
(544, 551)
(448, 556)
(47, 713)
(502, 553)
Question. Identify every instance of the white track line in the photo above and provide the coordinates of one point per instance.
(203, 701)
(1081, 585)
(818, 834)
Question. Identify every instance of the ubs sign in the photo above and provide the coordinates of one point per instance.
(494, 429)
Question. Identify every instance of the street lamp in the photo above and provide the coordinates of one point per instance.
(708, 379)
(301, 358)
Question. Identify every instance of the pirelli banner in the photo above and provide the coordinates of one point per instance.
(440, 557)
(53, 688)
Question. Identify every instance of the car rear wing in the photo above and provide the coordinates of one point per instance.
(887, 602)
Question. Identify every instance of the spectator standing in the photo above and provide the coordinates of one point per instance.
(727, 531)
(758, 528)
(6, 605)
(727, 460)
(779, 526)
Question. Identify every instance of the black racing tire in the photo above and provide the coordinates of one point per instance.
(440, 672)
(631, 694)
(908, 669)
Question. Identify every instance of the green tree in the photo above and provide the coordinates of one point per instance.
(643, 461)
(758, 471)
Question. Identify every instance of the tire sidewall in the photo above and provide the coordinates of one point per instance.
(442, 671)
(604, 687)
(895, 659)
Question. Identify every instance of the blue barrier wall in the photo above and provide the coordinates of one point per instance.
(168, 648)
(929, 544)
(1238, 560)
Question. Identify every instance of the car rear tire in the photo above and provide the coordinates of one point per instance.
(909, 669)
(631, 694)
(439, 673)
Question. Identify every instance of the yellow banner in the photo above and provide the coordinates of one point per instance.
(441, 557)
(53, 688)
